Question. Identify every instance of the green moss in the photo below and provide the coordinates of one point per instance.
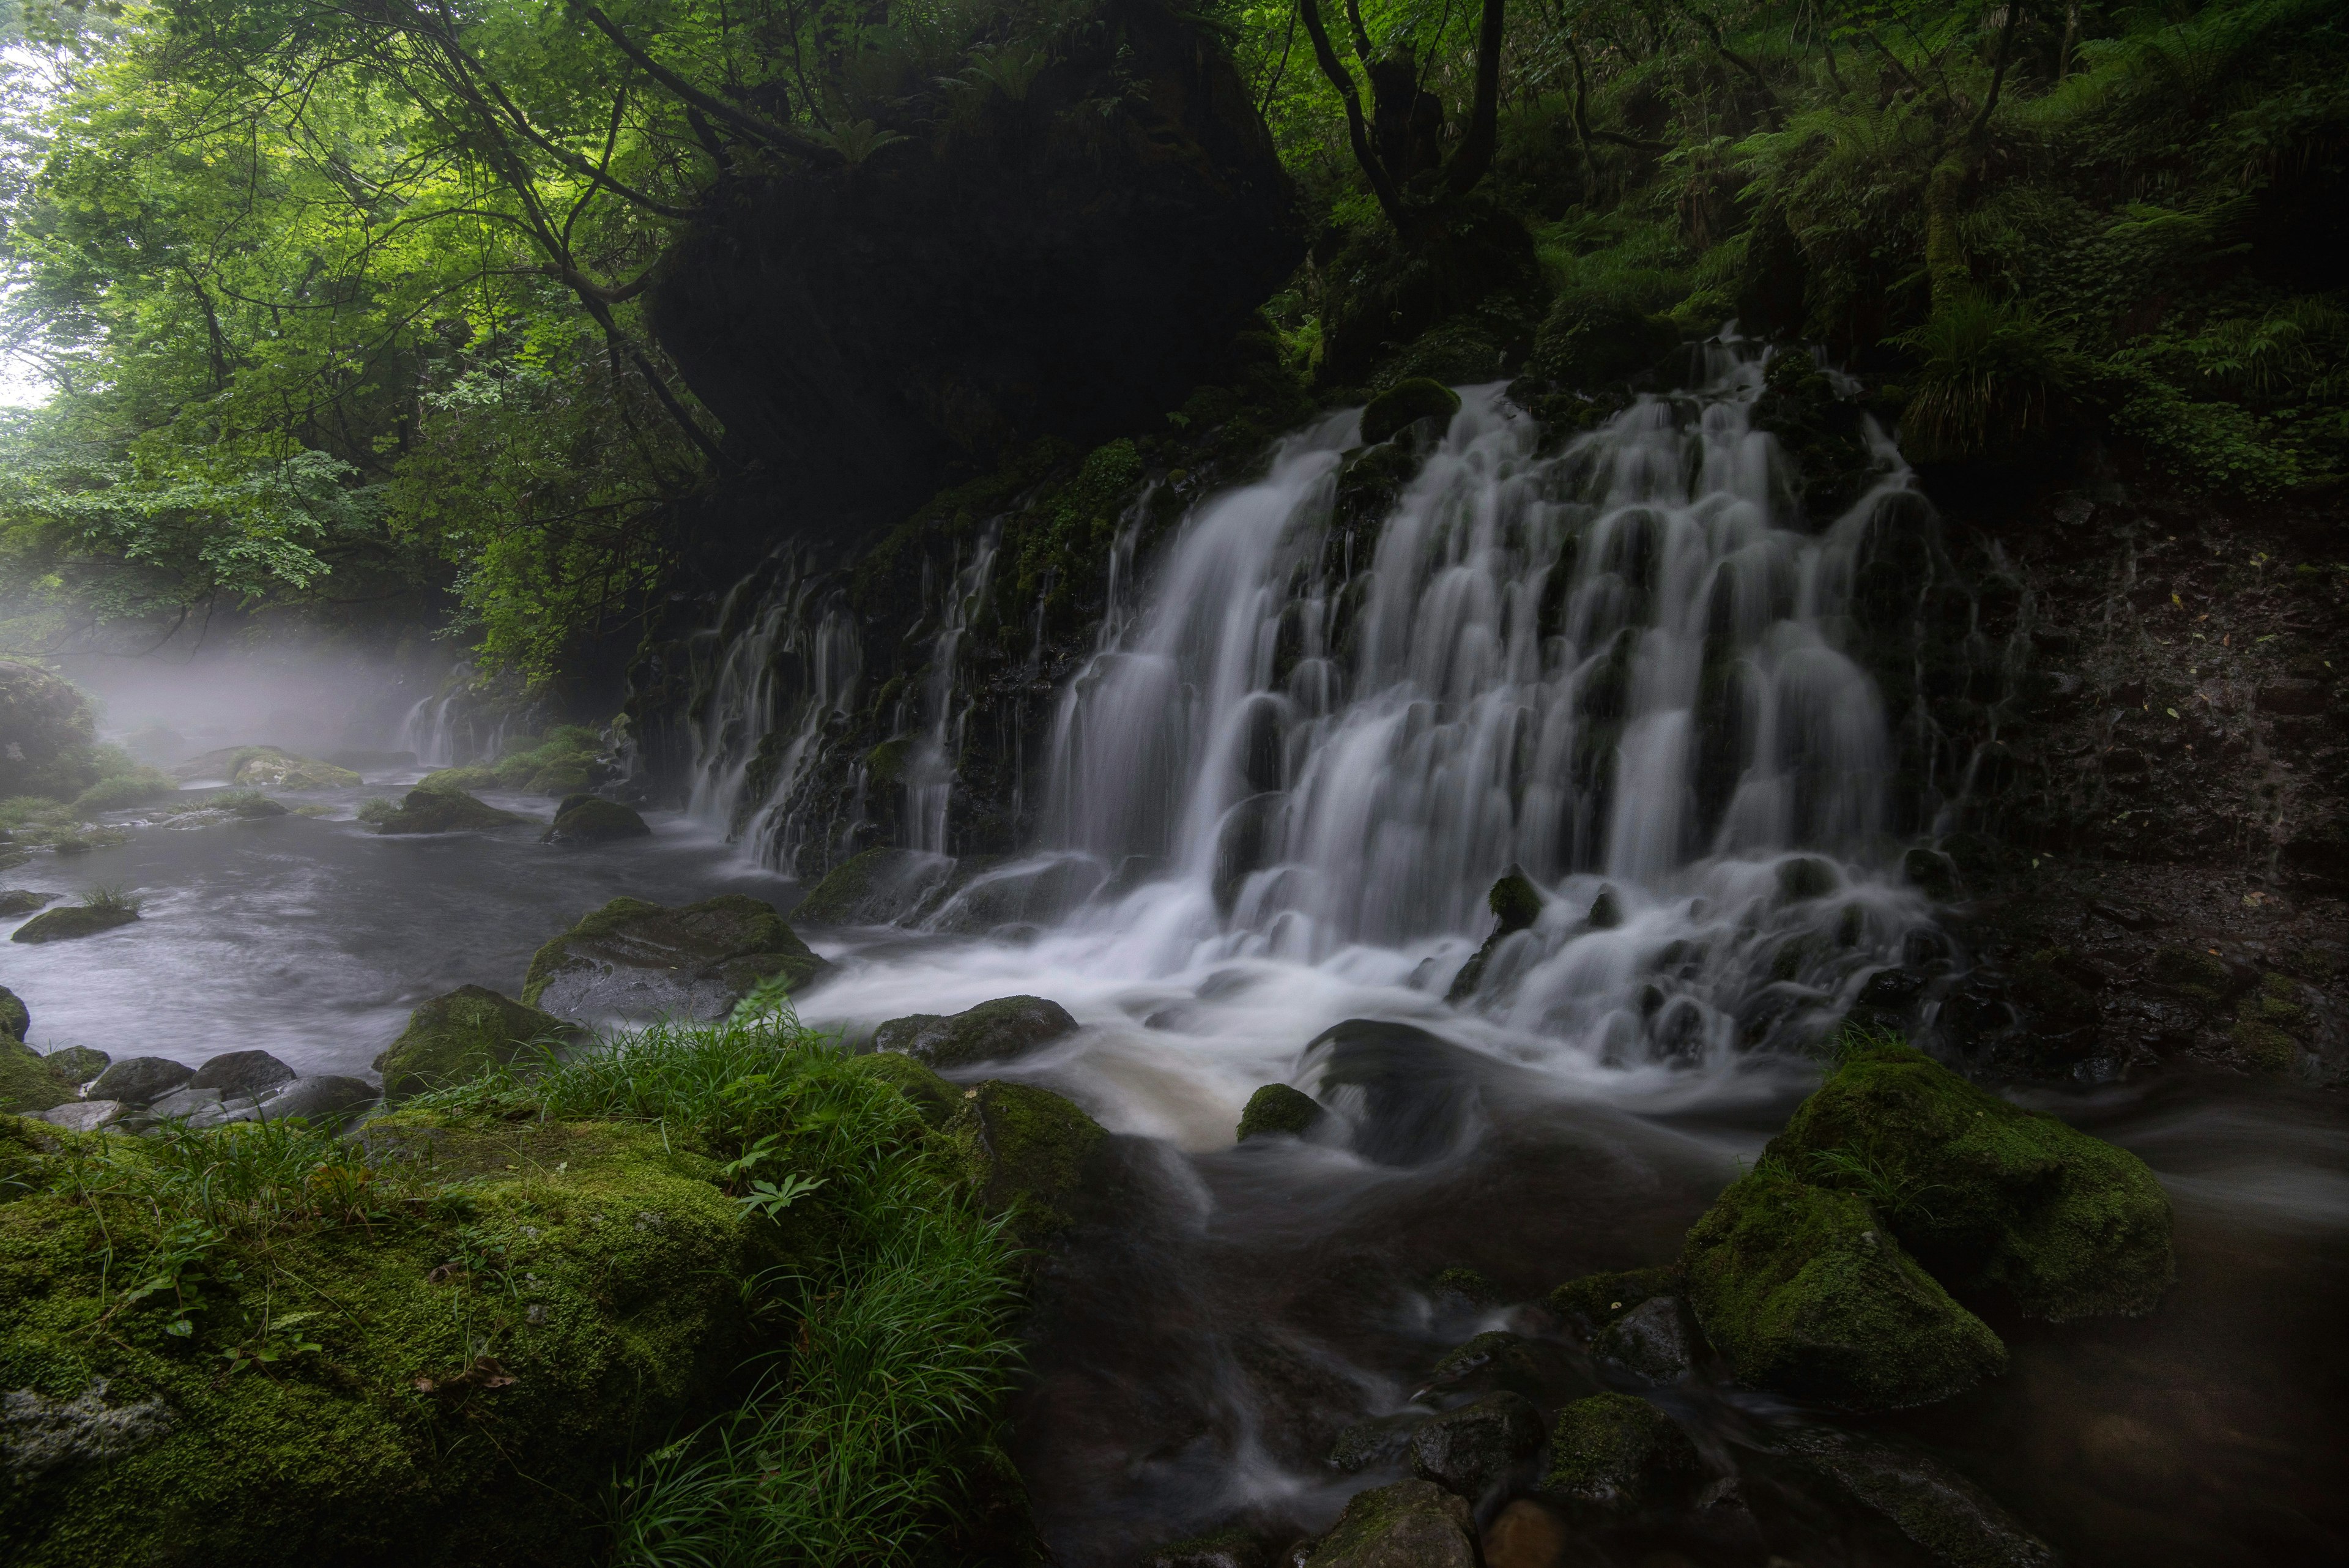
(871, 887)
(28, 1084)
(1278, 1108)
(444, 810)
(1991, 1197)
(1470, 1284)
(1025, 1149)
(71, 920)
(1411, 1521)
(2201, 977)
(2277, 1002)
(1613, 1451)
(740, 941)
(460, 1036)
(597, 821)
(1806, 1293)
(453, 1382)
(1406, 403)
(459, 780)
(1514, 901)
(119, 790)
(2264, 1046)
(14, 1017)
(1596, 1301)
(886, 763)
(937, 1099)
(77, 1064)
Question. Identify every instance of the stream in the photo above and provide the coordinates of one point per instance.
(1276, 798)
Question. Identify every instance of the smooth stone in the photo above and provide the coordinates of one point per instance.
(1030, 1152)
(140, 1080)
(84, 1115)
(1410, 1524)
(1655, 1340)
(996, 1031)
(1957, 1523)
(454, 1038)
(326, 1099)
(1470, 1450)
(1894, 988)
(1497, 1360)
(1419, 1092)
(443, 811)
(241, 1073)
(1278, 1108)
(185, 1102)
(1525, 1534)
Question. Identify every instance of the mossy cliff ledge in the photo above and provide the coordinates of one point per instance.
(1825, 1272)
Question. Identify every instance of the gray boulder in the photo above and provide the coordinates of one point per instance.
(1470, 1450)
(1410, 1524)
(84, 1115)
(322, 1101)
(184, 1102)
(993, 1032)
(873, 888)
(1656, 1340)
(241, 1073)
(140, 1080)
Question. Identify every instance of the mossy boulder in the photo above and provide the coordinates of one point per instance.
(1027, 1150)
(932, 1096)
(1410, 1524)
(1806, 1293)
(995, 1030)
(454, 1382)
(16, 1018)
(459, 780)
(1278, 1108)
(641, 959)
(1989, 1197)
(1469, 1451)
(28, 1084)
(873, 888)
(461, 1035)
(2201, 977)
(1617, 1452)
(1405, 404)
(443, 811)
(266, 767)
(117, 791)
(14, 901)
(70, 920)
(594, 820)
(1595, 1301)
(77, 1064)
(1515, 904)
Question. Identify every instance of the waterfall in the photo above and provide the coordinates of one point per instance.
(930, 769)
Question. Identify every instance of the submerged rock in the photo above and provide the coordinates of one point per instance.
(140, 1080)
(641, 960)
(594, 820)
(16, 1018)
(1958, 1524)
(1470, 1450)
(461, 1035)
(1617, 1452)
(27, 1088)
(1027, 1150)
(873, 888)
(1806, 1293)
(1410, 1524)
(74, 920)
(443, 811)
(14, 901)
(995, 1030)
(1411, 1096)
(236, 1072)
(1278, 1108)
(1987, 1196)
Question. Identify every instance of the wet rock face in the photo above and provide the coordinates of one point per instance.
(1953, 1519)
(1470, 1450)
(15, 1019)
(995, 1030)
(1410, 1524)
(1031, 1151)
(637, 960)
(1045, 266)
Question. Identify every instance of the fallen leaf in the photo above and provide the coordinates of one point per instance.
(2171, 711)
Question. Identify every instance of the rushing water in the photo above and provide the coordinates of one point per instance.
(1274, 801)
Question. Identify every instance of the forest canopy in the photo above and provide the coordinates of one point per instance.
(344, 303)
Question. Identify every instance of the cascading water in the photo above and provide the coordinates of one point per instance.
(445, 732)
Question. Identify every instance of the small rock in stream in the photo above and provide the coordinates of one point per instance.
(591, 819)
(640, 959)
(1470, 1450)
(1656, 1340)
(241, 1073)
(1278, 1108)
(325, 1100)
(996, 1031)
(1957, 1523)
(1526, 1534)
(1616, 1452)
(1410, 1524)
(23, 901)
(77, 1064)
(1376, 1443)
(73, 921)
(140, 1080)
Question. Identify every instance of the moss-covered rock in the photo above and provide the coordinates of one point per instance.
(460, 1036)
(2203, 978)
(1805, 1291)
(1405, 404)
(266, 767)
(1613, 1452)
(454, 1382)
(28, 1084)
(937, 1099)
(14, 901)
(443, 811)
(1987, 1196)
(1515, 904)
(594, 820)
(70, 920)
(873, 888)
(1469, 1451)
(16, 1018)
(459, 780)
(1278, 1108)
(77, 1064)
(994, 1031)
(643, 959)
(1027, 1150)
(116, 791)
(1410, 1524)
(1595, 1301)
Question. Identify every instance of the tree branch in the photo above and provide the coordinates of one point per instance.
(751, 125)
(1389, 199)
(1474, 155)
